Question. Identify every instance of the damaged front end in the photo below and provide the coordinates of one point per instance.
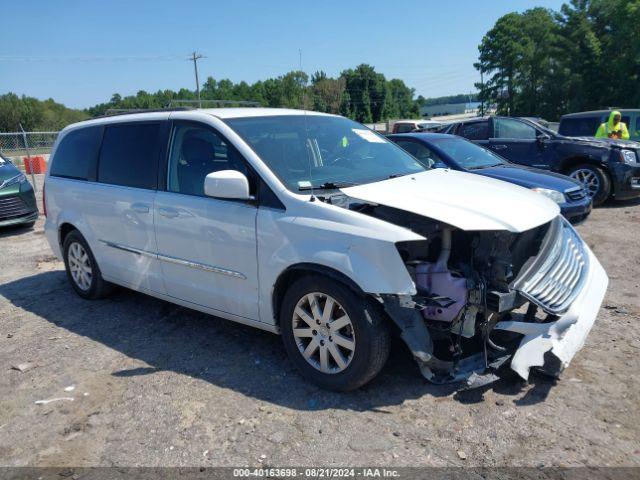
(488, 297)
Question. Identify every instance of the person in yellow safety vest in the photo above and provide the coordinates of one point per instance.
(613, 128)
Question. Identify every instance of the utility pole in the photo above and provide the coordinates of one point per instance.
(481, 92)
(195, 57)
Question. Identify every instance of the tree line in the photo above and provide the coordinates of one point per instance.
(34, 114)
(546, 63)
(361, 93)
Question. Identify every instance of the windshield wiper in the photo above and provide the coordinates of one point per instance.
(396, 175)
(478, 167)
(327, 186)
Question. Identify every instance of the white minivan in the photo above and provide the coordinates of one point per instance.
(314, 227)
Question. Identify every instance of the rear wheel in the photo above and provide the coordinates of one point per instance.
(82, 269)
(594, 180)
(337, 339)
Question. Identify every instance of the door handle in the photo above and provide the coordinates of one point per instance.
(140, 208)
(498, 147)
(168, 212)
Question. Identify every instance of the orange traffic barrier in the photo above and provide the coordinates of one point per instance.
(38, 164)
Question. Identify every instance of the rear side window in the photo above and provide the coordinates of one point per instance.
(129, 155)
(474, 131)
(579, 127)
(405, 127)
(77, 154)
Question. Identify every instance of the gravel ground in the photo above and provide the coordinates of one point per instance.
(154, 384)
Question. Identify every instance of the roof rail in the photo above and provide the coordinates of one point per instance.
(198, 103)
(126, 111)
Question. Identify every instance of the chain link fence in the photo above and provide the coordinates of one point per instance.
(12, 144)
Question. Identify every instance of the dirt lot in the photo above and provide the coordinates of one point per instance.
(159, 385)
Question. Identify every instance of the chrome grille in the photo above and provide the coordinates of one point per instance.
(556, 276)
(576, 194)
(12, 207)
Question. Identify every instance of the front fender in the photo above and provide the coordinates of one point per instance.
(370, 260)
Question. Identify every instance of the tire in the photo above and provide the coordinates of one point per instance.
(366, 332)
(89, 285)
(595, 180)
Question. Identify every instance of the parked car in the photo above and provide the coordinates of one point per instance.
(606, 168)
(450, 151)
(585, 124)
(315, 227)
(405, 126)
(17, 200)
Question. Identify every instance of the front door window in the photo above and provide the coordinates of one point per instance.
(197, 151)
(509, 128)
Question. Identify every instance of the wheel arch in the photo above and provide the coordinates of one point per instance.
(574, 161)
(64, 230)
(299, 270)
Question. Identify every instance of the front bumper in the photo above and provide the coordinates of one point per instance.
(576, 212)
(626, 180)
(7, 222)
(565, 336)
(17, 205)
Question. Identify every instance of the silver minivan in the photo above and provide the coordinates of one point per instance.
(314, 227)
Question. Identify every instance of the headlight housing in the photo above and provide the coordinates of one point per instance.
(628, 156)
(554, 195)
(20, 178)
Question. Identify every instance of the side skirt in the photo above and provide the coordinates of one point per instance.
(201, 308)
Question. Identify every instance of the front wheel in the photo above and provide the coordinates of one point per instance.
(594, 180)
(336, 338)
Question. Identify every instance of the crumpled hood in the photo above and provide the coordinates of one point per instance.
(463, 200)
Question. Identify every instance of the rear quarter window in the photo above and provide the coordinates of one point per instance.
(579, 127)
(474, 131)
(129, 155)
(77, 154)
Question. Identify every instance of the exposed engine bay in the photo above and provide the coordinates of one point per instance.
(469, 284)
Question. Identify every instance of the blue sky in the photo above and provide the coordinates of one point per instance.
(81, 52)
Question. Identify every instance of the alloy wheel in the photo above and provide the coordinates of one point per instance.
(588, 179)
(80, 266)
(323, 332)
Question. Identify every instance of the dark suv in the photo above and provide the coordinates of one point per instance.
(585, 124)
(606, 168)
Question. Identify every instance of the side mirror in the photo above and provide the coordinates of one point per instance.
(542, 137)
(229, 184)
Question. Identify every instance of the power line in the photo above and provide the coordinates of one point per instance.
(89, 58)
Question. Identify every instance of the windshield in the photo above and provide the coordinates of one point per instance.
(307, 151)
(466, 154)
(544, 128)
